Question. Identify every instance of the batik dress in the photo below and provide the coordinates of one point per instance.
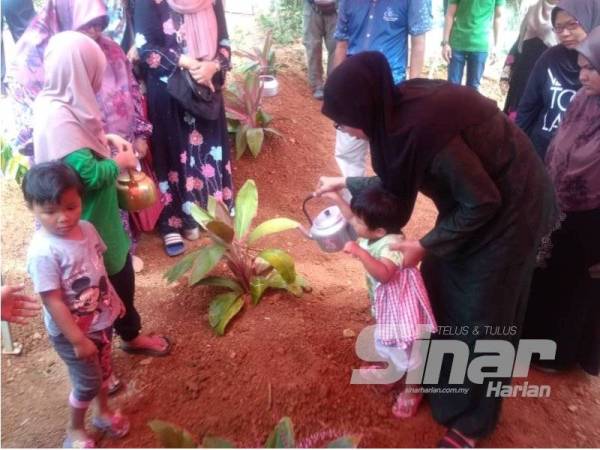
(191, 154)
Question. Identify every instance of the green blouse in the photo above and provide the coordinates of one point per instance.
(100, 205)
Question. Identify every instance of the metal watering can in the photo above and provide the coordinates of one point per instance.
(329, 228)
(136, 191)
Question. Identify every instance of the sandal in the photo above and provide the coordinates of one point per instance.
(452, 439)
(173, 244)
(148, 351)
(406, 405)
(69, 442)
(116, 426)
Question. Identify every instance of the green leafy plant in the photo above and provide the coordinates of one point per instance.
(262, 60)
(282, 436)
(253, 270)
(246, 118)
(284, 18)
(12, 164)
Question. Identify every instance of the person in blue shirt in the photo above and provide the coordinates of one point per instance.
(383, 26)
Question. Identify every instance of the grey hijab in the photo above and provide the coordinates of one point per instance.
(587, 12)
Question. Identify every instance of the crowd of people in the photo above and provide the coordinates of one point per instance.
(516, 241)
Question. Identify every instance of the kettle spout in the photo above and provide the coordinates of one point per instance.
(304, 232)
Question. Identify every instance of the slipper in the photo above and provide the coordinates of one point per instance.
(173, 244)
(78, 443)
(453, 440)
(116, 426)
(148, 351)
(138, 264)
(114, 384)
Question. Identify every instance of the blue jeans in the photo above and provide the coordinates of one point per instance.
(475, 64)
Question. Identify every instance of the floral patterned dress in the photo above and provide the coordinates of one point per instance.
(191, 154)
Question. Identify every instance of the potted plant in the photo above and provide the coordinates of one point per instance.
(263, 63)
(246, 119)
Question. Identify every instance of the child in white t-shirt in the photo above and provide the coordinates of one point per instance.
(80, 305)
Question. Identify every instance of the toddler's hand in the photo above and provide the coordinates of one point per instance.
(332, 195)
(351, 248)
(328, 184)
(85, 349)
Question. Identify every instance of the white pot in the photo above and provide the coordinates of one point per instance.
(270, 85)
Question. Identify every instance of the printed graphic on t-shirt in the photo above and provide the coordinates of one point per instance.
(89, 301)
(560, 100)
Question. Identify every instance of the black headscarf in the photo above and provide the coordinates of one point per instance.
(406, 125)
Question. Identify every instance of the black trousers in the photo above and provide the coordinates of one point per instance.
(564, 304)
(475, 296)
(128, 326)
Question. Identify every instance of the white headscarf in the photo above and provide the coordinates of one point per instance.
(538, 24)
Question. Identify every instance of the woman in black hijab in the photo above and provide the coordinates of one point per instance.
(494, 199)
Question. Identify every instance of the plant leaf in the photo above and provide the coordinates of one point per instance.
(258, 286)
(255, 138)
(347, 441)
(171, 436)
(282, 436)
(246, 204)
(220, 229)
(262, 118)
(222, 309)
(208, 258)
(200, 215)
(273, 131)
(282, 262)
(185, 264)
(221, 282)
(211, 206)
(216, 442)
(240, 141)
(277, 282)
(272, 226)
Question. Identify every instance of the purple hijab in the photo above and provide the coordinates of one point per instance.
(119, 100)
(573, 158)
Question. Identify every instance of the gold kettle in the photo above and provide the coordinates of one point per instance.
(136, 191)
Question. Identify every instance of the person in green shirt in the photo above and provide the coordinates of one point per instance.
(67, 125)
(466, 38)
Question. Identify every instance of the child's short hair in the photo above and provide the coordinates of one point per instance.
(47, 182)
(378, 208)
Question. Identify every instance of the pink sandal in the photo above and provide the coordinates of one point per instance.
(406, 405)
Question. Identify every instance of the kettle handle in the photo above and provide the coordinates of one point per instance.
(132, 181)
(310, 197)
